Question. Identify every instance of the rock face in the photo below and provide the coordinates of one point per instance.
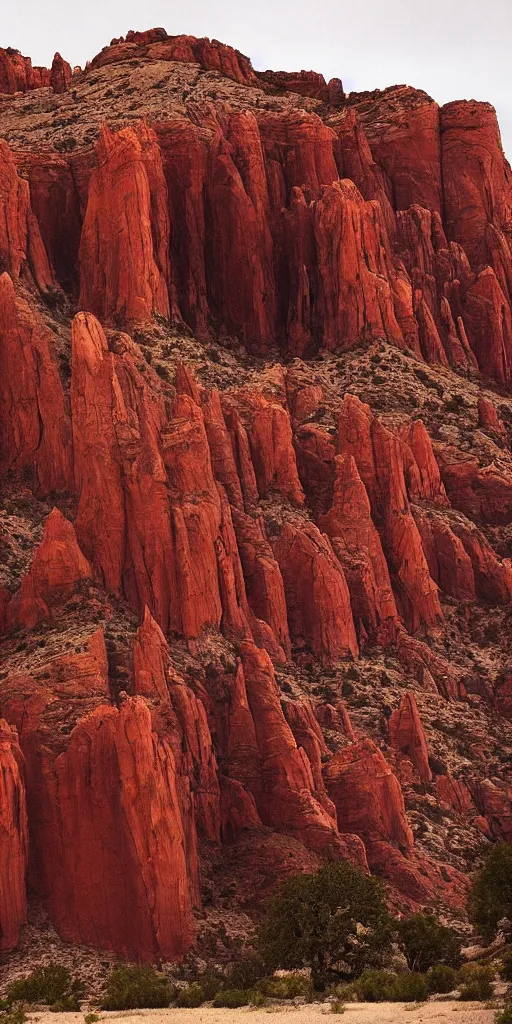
(58, 566)
(97, 467)
(317, 597)
(369, 801)
(391, 475)
(60, 75)
(22, 251)
(135, 825)
(157, 44)
(13, 838)
(17, 73)
(280, 183)
(35, 429)
(357, 544)
(407, 735)
(124, 263)
(284, 796)
(367, 796)
(126, 819)
(255, 573)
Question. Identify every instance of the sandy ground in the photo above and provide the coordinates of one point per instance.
(355, 1013)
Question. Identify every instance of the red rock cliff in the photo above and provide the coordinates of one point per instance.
(244, 543)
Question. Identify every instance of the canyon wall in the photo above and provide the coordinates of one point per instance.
(229, 491)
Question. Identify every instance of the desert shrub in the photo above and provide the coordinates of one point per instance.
(475, 971)
(410, 988)
(425, 942)
(45, 985)
(290, 986)
(162, 371)
(68, 1004)
(476, 982)
(490, 898)
(384, 987)
(245, 973)
(505, 968)
(334, 921)
(13, 1016)
(190, 997)
(442, 978)
(232, 998)
(211, 982)
(375, 986)
(337, 1007)
(91, 1018)
(256, 998)
(504, 1016)
(345, 991)
(455, 403)
(137, 988)
(476, 991)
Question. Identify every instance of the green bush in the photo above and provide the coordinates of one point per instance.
(137, 988)
(232, 998)
(425, 942)
(245, 973)
(211, 982)
(386, 987)
(15, 1016)
(505, 1016)
(190, 997)
(476, 972)
(315, 921)
(505, 968)
(256, 998)
(68, 1004)
(411, 988)
(476, 991)
(49, 985)
(290, 986)
(375, 986)
(476, 982)
(337, 1007)
(91, 1018)
(490, 898)
(442, 979)
(345, 992)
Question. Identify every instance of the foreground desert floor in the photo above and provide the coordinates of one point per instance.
(315, 1013)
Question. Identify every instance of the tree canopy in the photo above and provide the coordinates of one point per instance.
(425, 942)
(490, 898)
(334, 921)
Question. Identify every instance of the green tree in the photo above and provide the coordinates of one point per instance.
(425, 942)
(490, 898)
(334, 921)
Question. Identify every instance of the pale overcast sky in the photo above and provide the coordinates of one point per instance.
(454, 49)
